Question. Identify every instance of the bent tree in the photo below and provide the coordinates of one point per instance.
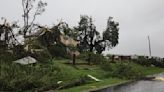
(7, 36)
(91, 40)
(30, 12)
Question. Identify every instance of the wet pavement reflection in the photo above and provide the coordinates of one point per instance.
(138, 86)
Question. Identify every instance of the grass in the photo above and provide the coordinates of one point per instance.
(15, 77)
(106, 82)
(78, 70)
(95, 85)
(152, 70)
(45, 75)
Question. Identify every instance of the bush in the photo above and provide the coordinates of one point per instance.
(127, 70)
(36, 78)
(157, 63)
(7, 57)
(94, 58)
(107, 67)
(19, 51)
(83, 56)
(143, 61)
(97, 58)
(58, 50)
(42, 56)
(123, 70)
(19, 78)
(149, 62)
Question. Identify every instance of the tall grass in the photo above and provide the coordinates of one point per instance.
(123, 70)
(18, 78)
(41, 76)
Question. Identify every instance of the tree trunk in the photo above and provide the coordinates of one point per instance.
(74, 59)
(113, 58)
(89, 55)
(89, 58)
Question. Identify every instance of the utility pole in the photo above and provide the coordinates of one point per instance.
(149, 46)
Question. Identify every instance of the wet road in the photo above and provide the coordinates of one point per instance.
(138, 86)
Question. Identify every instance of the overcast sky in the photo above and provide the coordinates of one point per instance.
(137, 19)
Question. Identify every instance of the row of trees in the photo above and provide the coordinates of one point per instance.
(91, 39)
(86, 34)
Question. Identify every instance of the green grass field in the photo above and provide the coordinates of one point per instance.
(44, 76)
(96, 71)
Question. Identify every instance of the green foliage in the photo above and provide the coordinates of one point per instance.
(7, 37)
(19, 78)
(157, 63)
(50, 37)
(35, 49)
(42, 56)
(143, 61)
(90, 39)
(123, 70)
(86, 33)
(149, 62)
(58, 50)
(83, 56)
(111, 34)
(126, 70)
(7, 56)
(97, 58)
(19, 51)
(41, 76)
(44, 76)
(107, 67)
(94, 58)
(95, 85)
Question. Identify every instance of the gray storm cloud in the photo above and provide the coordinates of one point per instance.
(137, 18)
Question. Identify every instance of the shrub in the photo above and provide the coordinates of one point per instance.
(18, 78)
(94, 58)
(36, 78)
(19, 51)
(7, 57)
(123, 70)
(97, 58)
(42, 56)
(127, 70)
(149, 62)
(143, 61)
(83, 56)
(58, 50)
